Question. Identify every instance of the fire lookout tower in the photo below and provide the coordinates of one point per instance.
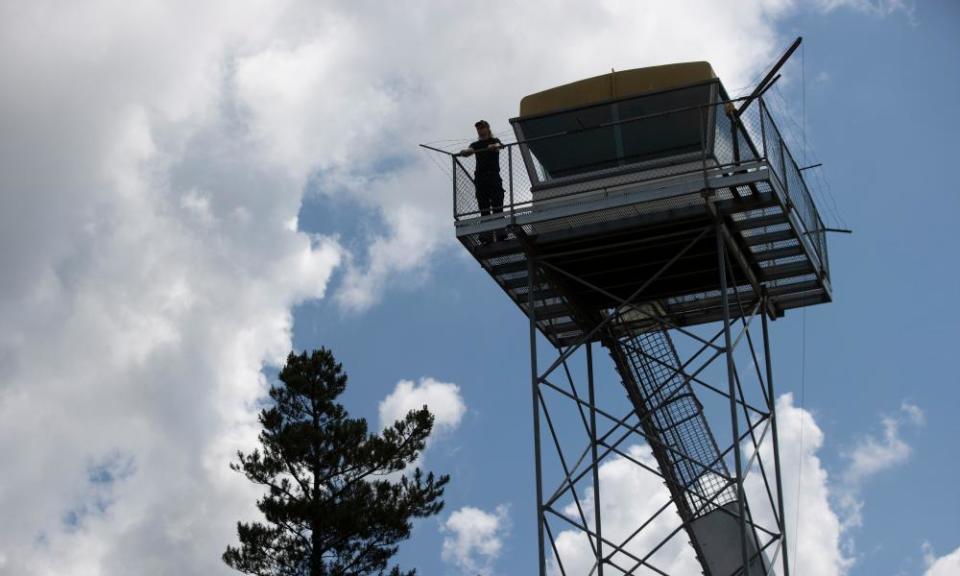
(647, 212)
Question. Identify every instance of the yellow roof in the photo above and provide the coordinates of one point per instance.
(616, 85)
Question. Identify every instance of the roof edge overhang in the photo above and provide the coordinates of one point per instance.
(616, 86)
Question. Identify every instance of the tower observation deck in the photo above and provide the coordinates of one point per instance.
(640, 207)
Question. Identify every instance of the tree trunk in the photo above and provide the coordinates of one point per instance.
(316, 530)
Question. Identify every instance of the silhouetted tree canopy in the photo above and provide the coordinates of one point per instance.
(330, 508)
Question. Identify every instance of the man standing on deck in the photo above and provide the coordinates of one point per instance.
(486, 176)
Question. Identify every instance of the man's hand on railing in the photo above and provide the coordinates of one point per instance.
(470, 151)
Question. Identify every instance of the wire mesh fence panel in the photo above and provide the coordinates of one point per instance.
(724, 145)
(751, 129)
(803, 203)
(464, 191)
(773, 143)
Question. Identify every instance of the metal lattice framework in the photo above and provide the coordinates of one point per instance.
(665, 414)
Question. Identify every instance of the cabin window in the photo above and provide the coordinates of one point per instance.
(601, 138)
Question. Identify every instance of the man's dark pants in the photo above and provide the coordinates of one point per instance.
(489, 196)
(489, 192)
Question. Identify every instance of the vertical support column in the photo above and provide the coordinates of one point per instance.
(535, 388)
(596, 463)
(731, 381)
(776, 441)
(453, 170)
(783, 167)
(735, 136)
(510, 175)
(763, 128)
(703, 143)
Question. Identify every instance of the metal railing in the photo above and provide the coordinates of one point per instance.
(725, 146)
(786, 169)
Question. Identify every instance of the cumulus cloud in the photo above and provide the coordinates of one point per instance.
(443, 399)
(816, 551)
(871, 455)
(149, 274)
(820, 510)
(948, 565)
(474, 539)
(874, 7)
(814, 529)
(627, 493)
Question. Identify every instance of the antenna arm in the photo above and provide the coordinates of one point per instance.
(768, 79)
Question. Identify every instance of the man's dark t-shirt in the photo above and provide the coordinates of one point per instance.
(488, 161)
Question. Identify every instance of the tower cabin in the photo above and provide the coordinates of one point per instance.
(615, 176)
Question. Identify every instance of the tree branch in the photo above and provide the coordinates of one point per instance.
(372, 471)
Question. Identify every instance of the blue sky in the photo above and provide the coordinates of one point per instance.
(188, 191)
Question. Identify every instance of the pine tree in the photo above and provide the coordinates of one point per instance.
(330, 507)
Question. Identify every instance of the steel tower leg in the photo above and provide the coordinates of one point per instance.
(535, 387)
(734, 413)
(596, 461)
(772, 406)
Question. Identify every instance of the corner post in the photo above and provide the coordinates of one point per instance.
(596, 462)
(453, 170)
(535, 389)
(783, 167)
(704, 115)
(763, 128)
(776, 442)
(510, 172)
(732, 390)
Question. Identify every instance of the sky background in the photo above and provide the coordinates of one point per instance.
(188, 192)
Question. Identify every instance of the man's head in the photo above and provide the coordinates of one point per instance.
(483, 129)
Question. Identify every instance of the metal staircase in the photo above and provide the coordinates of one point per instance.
(686, 451)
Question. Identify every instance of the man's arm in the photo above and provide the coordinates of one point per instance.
(470, 151)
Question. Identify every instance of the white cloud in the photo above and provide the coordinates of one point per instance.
(874, 7)
(443, 399)
(474, 539)
(138, 306)
(914, 414)
(817, 551)
(871, 455)
(621, 482)
(813, 527)
(948, 565)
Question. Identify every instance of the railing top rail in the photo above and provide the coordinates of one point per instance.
(630, 120)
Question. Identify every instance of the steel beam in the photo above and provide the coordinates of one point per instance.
(534, 384)
(734, 421)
